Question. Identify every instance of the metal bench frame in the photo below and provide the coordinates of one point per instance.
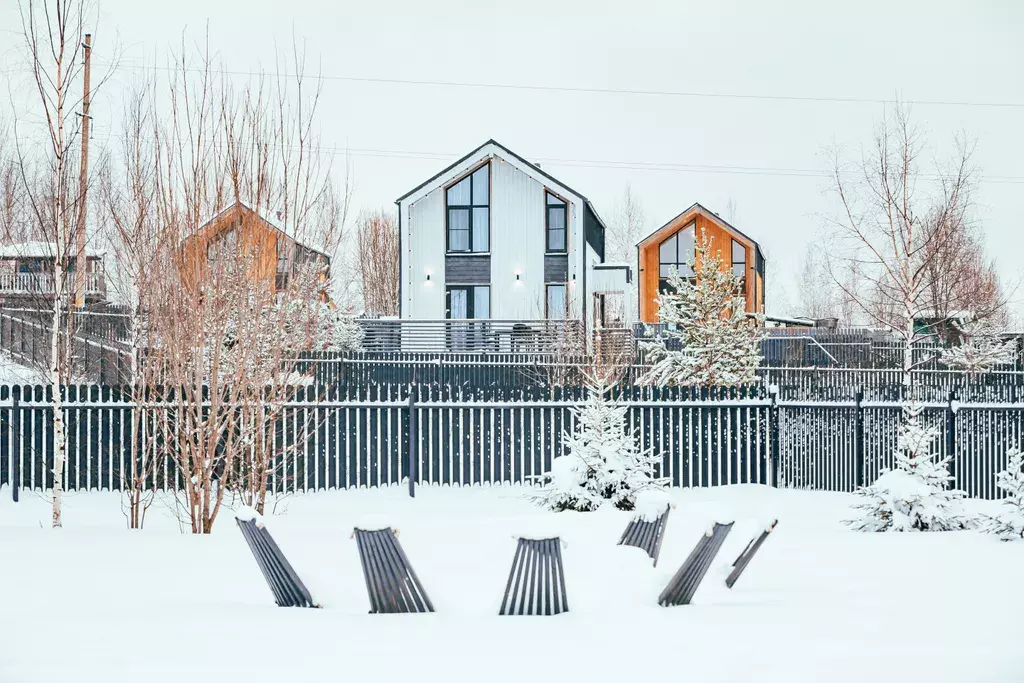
(391, 583)
(647, 535)
(284, 583)
(748, 553)
(687, 579)
(536, 582)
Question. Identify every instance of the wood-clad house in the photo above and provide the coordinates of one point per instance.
(272, 255)
(673, 245)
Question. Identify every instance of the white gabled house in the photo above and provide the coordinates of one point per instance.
(494, 236)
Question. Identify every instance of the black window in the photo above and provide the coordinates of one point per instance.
(556, 304)
(557, 220)
(469, 213)
(464, 302)
(676, 252)
(739, 264)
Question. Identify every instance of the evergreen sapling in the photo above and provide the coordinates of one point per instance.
(603, 463)
(913, 495)
(719, 344)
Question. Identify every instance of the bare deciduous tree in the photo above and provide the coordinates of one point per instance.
(248, 289)
(894, 227)
(378, 262)
(626, 228)
(53, 34)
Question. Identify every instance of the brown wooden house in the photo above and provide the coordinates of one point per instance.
(271, 255)
(673, 245)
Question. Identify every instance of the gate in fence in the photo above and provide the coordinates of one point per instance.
(378, 438)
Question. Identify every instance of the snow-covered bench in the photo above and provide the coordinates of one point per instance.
(646, 534)
(391, 583)
(536, 582)
(744, 559)
(288, 590)
(683, 585)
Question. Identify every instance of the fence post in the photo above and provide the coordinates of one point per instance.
(951, 438)
(858, 436)
(773, 425)
(15, 454)
(412, 450)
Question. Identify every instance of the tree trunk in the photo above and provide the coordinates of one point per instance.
(59, 441)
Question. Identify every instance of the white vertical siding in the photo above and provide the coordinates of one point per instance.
(423, 243)
(517, 243)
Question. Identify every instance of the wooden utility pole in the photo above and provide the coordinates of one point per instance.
(81, 262)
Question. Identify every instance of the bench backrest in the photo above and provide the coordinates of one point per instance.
(536, 582)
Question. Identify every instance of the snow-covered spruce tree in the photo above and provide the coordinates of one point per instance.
(720, 343)
(603, 465)
(1009, 523)
(981, 349)
(913, 495)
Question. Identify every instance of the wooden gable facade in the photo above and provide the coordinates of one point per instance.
(271, 255)
(672, 244)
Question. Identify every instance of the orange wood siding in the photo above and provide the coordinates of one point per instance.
(256, 239)
(721, 242)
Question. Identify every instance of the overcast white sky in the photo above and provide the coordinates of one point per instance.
(662, 145)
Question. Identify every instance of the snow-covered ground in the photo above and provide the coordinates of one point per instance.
(12, 372)
(93, 602)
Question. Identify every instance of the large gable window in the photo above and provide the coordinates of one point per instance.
(557, 214)
(469, 213)
(676, 252)
(739, 264)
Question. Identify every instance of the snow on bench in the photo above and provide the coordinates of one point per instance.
(646, 533)
(744, 559)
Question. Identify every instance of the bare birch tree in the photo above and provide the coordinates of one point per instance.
(626, 228)
(53, 34)
(893, 227)
(378, 263)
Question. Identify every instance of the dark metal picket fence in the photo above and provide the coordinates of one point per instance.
(525, 371)
(377, 437)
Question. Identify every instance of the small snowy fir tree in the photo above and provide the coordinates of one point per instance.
(980, 349)
(912, 496)
(603, 463)
(720, 343)
(1009, 523)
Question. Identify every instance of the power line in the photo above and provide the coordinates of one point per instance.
(606, 163)
(589, 90)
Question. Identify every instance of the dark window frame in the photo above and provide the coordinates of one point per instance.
(733, 263)
(547, 300)
(467, 207)
(470, 301)
(564, 208)
(692, 226)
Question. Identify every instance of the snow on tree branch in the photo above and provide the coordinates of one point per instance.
(981, 349)
(603, 464)
(912, 496)
(720, 343)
